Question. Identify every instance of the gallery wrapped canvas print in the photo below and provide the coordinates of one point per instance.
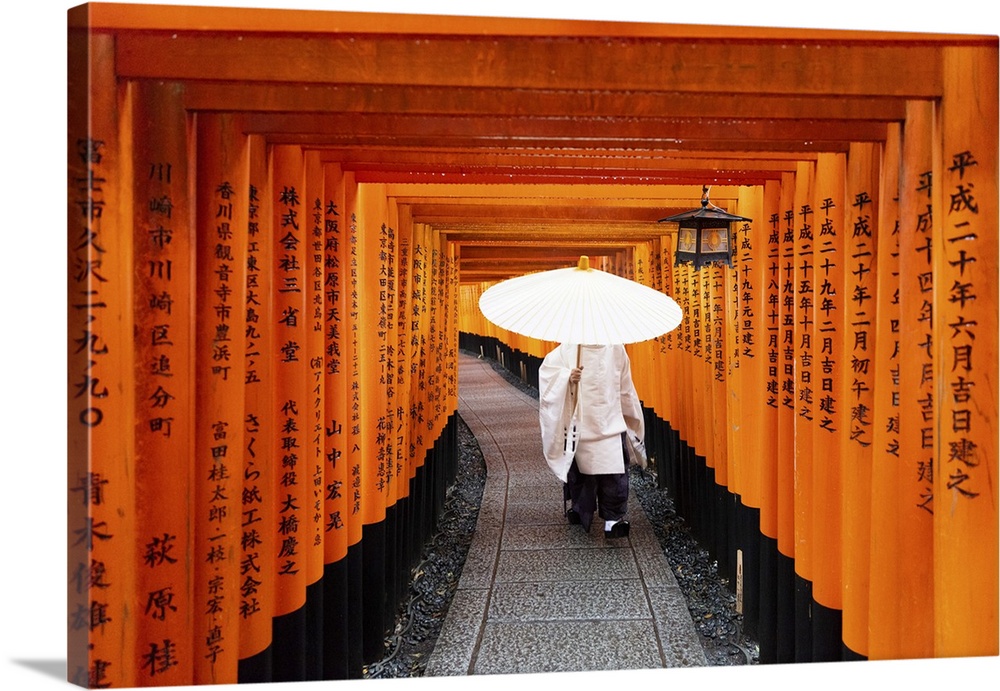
(282, 393)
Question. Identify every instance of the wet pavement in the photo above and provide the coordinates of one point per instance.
(537, 594)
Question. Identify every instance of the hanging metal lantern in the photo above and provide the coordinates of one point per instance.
(703, 235)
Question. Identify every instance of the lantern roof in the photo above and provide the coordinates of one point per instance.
(707, 212)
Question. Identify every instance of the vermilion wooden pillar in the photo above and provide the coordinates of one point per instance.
(662, 281)
(410, 534)
(373, 480)
(164, 250)
(336, 369)
(100, 406)
(335, 331)
(747, 419)
(718, 374)
(781, 349)
(766, 256)
(640, 353)
(830, 362)
(314, 221)
(734, 326)
(863, 374)
(288, 409)
(767, 253)
(965, 353)
(800, 398)
(258, 539)
(353, 355)
(875, 473)
(747, 346)
(902, 623)
(220, 385)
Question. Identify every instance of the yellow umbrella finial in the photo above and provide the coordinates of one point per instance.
(584, 263)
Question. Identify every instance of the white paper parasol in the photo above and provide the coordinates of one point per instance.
(580, 305)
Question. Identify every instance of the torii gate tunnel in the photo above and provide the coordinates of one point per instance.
(280, 222)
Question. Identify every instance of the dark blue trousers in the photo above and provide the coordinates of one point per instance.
(605, 495)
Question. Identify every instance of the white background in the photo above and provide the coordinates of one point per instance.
(33, 331)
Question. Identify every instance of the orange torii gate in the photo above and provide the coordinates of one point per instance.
(268, 286)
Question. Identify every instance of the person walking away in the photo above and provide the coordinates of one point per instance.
(591, 386)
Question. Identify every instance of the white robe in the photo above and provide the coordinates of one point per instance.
(608, 406)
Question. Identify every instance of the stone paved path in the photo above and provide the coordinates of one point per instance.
(537, 594)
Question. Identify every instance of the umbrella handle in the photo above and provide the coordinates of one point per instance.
(579, 349)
